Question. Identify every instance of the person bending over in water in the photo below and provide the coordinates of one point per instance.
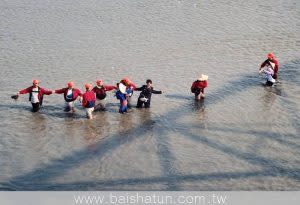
(36, 94)
(130, 87)
(122, 95)
(70, 95)
(100, 91)
(145, 95)
(271, 60)
(198, 87)
(269, 72)
(88, 100)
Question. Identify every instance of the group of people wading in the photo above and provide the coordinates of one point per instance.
(93, 99)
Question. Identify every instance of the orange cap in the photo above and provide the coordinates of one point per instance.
(126, 81)
(35, 81)
(270, 55)
(99, 81)
(87, 85)
(70, 84)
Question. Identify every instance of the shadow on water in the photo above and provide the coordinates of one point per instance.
(290, 72)
(15, 107)
(116, 184)
(38, 179)
(49, 110)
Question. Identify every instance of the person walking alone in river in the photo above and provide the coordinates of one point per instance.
(198, 87)
(273, 62)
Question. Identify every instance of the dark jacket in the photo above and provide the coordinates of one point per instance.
(147, 92)
(101, 91)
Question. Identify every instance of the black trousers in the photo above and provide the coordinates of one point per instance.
(141, 103)
(35, 107)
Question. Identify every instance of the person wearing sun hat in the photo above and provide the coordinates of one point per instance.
(100, 91)
(198, 87)
(36, 94)
(70, 95)
(271, 60)
(88, 100)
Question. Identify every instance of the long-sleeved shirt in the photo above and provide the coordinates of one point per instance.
(100, 91)
(276, 67)
(41, 92)
(199, 85)
(88, 99)
(75, 93)
(147, 91)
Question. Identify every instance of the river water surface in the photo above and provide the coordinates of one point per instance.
(243, 136)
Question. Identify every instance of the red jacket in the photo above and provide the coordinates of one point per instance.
(199, 85)
(76, 93)
(132, 86)
(42, 92)
(88, 99)
(129, 85)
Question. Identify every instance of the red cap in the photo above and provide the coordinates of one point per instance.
(35, 82)
(99, 81)
(270, 55)
(70, 84)
(125, 81)
(87, 86)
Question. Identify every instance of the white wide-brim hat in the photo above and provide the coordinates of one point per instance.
(203, 77)
(122, 88)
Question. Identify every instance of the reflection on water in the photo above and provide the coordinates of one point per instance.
(125, 123)
(269, 98)
(199, 105)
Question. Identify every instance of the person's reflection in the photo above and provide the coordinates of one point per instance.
(269, 98)
(145, 119)
(38, 125)
(125, 123)
(198, 105)
(90, 134)
(200, 114)
(96, 129)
